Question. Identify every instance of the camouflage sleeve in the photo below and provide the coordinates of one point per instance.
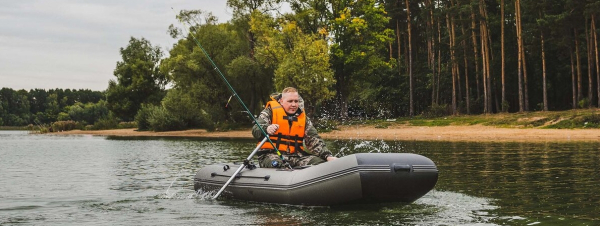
(313, 141)
(264, 120)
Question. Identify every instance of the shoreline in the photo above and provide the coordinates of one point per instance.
(474, 133)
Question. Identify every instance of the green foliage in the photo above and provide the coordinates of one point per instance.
(382, 125)
(325, 125)
(583, 103)
(162, 120)
(109, 122)
(183, 106)
(435, 122)
(62, 116)
(59, 126)
(506, 106)
(88, 113)
(127, 125)
(564, 124)
(360, 37)
(436, 110)
(141, 118)
(139, 79)
(300, 60)
(250, 79)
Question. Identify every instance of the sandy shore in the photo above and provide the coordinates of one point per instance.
(443, 133)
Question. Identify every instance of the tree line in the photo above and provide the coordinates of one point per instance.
(39, 106)
(393, 58)
(374, 58)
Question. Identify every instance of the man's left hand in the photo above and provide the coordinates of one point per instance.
(331, 158)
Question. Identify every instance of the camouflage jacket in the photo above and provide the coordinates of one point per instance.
(312, 141)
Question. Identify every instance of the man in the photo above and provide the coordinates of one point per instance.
(291, 131)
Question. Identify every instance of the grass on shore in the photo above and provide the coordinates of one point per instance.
(571, 119)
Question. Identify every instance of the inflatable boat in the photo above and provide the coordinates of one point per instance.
(352, 179)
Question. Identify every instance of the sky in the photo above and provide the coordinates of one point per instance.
(74, 44)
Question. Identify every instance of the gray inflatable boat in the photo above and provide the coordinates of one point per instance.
(357, 178)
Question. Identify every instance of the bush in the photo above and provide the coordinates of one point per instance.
(505, 106)
(436, 110)
(63, 117)
(64, 126)
(324, 125)
(161, 120)
(106, 123)
(127, 125)
(583, 103)
(141, 118)
(588, 121)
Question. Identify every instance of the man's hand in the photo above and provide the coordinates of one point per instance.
(331, 158)
(272, 129)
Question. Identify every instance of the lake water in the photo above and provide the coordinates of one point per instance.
(92, 180)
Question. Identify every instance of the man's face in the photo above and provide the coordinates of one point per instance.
(289, 102)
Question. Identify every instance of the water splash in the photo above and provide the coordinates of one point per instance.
(457, 209)
(380, 146)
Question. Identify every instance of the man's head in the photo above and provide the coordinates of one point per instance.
(290, 100)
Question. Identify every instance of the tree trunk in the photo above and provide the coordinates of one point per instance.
(433, 66)
(544, 72)
(399, 47)
(452, 61)
(524, 63)
(597, 62)
(475, 53)
(590, 64)
(437, 94)
(455, 64)
(428, 32)
(464, 44)
(504, 109)
(525, 84)
(485, 53)
(410, 75)
(573, 80)
(578, 61)
(519, 57)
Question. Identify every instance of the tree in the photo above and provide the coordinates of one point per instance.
(138, 79)
(300, 60)
(411, 110)
(359, 35)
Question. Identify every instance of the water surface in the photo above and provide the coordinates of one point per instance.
(92, 180)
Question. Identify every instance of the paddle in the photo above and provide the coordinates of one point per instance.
(246, 162)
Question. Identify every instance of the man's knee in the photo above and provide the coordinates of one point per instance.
(271, 162)
(315, 161)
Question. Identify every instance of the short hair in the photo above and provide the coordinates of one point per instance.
(294, 90)
(289, 90)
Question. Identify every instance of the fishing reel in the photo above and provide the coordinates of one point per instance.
(249, 164)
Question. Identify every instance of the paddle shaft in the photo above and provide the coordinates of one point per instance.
(240, 168)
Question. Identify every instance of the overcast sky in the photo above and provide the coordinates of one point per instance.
(75, 43)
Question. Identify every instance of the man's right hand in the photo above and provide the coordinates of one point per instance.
(272, 129)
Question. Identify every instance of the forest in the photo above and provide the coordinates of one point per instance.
(363, 58)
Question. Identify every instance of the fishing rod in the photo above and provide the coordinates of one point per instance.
(234, 93)
(246, 162)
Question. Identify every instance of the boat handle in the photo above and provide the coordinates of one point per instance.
(401, 167)
(266, 177)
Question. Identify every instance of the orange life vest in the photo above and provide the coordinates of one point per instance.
(288, 137)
